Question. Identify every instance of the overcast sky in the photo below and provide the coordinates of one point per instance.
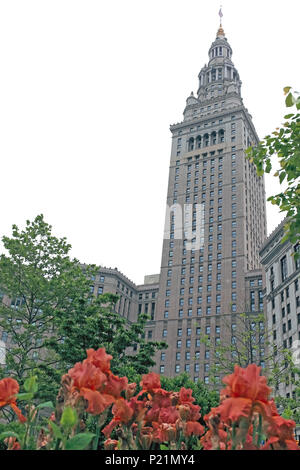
(88, 90)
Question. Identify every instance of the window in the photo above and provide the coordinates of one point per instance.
(297, 260)
(283, 267)
(165, 333)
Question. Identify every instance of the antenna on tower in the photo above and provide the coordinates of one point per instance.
(221, 15)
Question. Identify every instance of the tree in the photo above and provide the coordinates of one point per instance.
(251, 343)
(50, 317)
(41, 282)
(94, 324)
(284, 143)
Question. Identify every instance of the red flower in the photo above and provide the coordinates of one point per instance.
(9, 388)
(87, 375)
(233, 409)
(150, 382)
(130, 390)
(111, 444)
(163, 432)
(247, 383)
(281, 432)
(122, 412)
(98, 402)
(115, 385)
(12, 443)
(168, 415)
(185, 396)
(99, 358)
(89, 382)
(193, 428)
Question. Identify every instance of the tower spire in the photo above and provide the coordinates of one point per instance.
(220, 32)
(220, 15)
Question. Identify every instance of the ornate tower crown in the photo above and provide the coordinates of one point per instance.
(219, 80)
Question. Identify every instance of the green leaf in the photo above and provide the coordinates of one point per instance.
(47, 404)
(79, 442)
(289, 100)
(6, 434)
(31, 385)
(56, 431)
(282, 176)
(163, 447)
(69, 417)
(25, 396)
(288, 116)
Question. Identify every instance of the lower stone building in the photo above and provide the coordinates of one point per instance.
(282, 299)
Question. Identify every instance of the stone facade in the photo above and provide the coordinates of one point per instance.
(282, 298)
(201, 286)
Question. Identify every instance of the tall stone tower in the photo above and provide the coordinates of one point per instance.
(215, 223)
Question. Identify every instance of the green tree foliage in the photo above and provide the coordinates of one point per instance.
(95, 323)
(51, 318)
(250, 342)
(283, 147)
(41, 282)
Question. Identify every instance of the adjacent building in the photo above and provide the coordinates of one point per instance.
(282, 299)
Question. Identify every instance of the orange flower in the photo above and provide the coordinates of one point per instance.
(193, 428)
(115, 385)
(99, 358)
(233, 409)
(185, 396)
(9, 388)
(89, 382)
(163, 432)
(98, 402)
(281, 432)
(150, 382)
(168, 415)
(130, 390)
(122, 412)
(111, 444)
(247, 383)
(87, 375)
(12, 443)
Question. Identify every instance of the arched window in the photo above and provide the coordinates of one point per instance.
(198, 142)
(206, 140)
(214, 138)
(191, 144)
(221, 136)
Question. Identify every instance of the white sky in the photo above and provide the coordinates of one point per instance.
(88, 90)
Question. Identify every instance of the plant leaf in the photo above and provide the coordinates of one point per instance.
(56, 431)
(47, 404)
(79, 441)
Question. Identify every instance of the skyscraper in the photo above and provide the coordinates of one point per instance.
(215, 223)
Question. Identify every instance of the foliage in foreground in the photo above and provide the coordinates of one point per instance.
(246, 419)
(284, 143)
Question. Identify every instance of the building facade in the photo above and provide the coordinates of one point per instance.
(283, 299)
(203, 281)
